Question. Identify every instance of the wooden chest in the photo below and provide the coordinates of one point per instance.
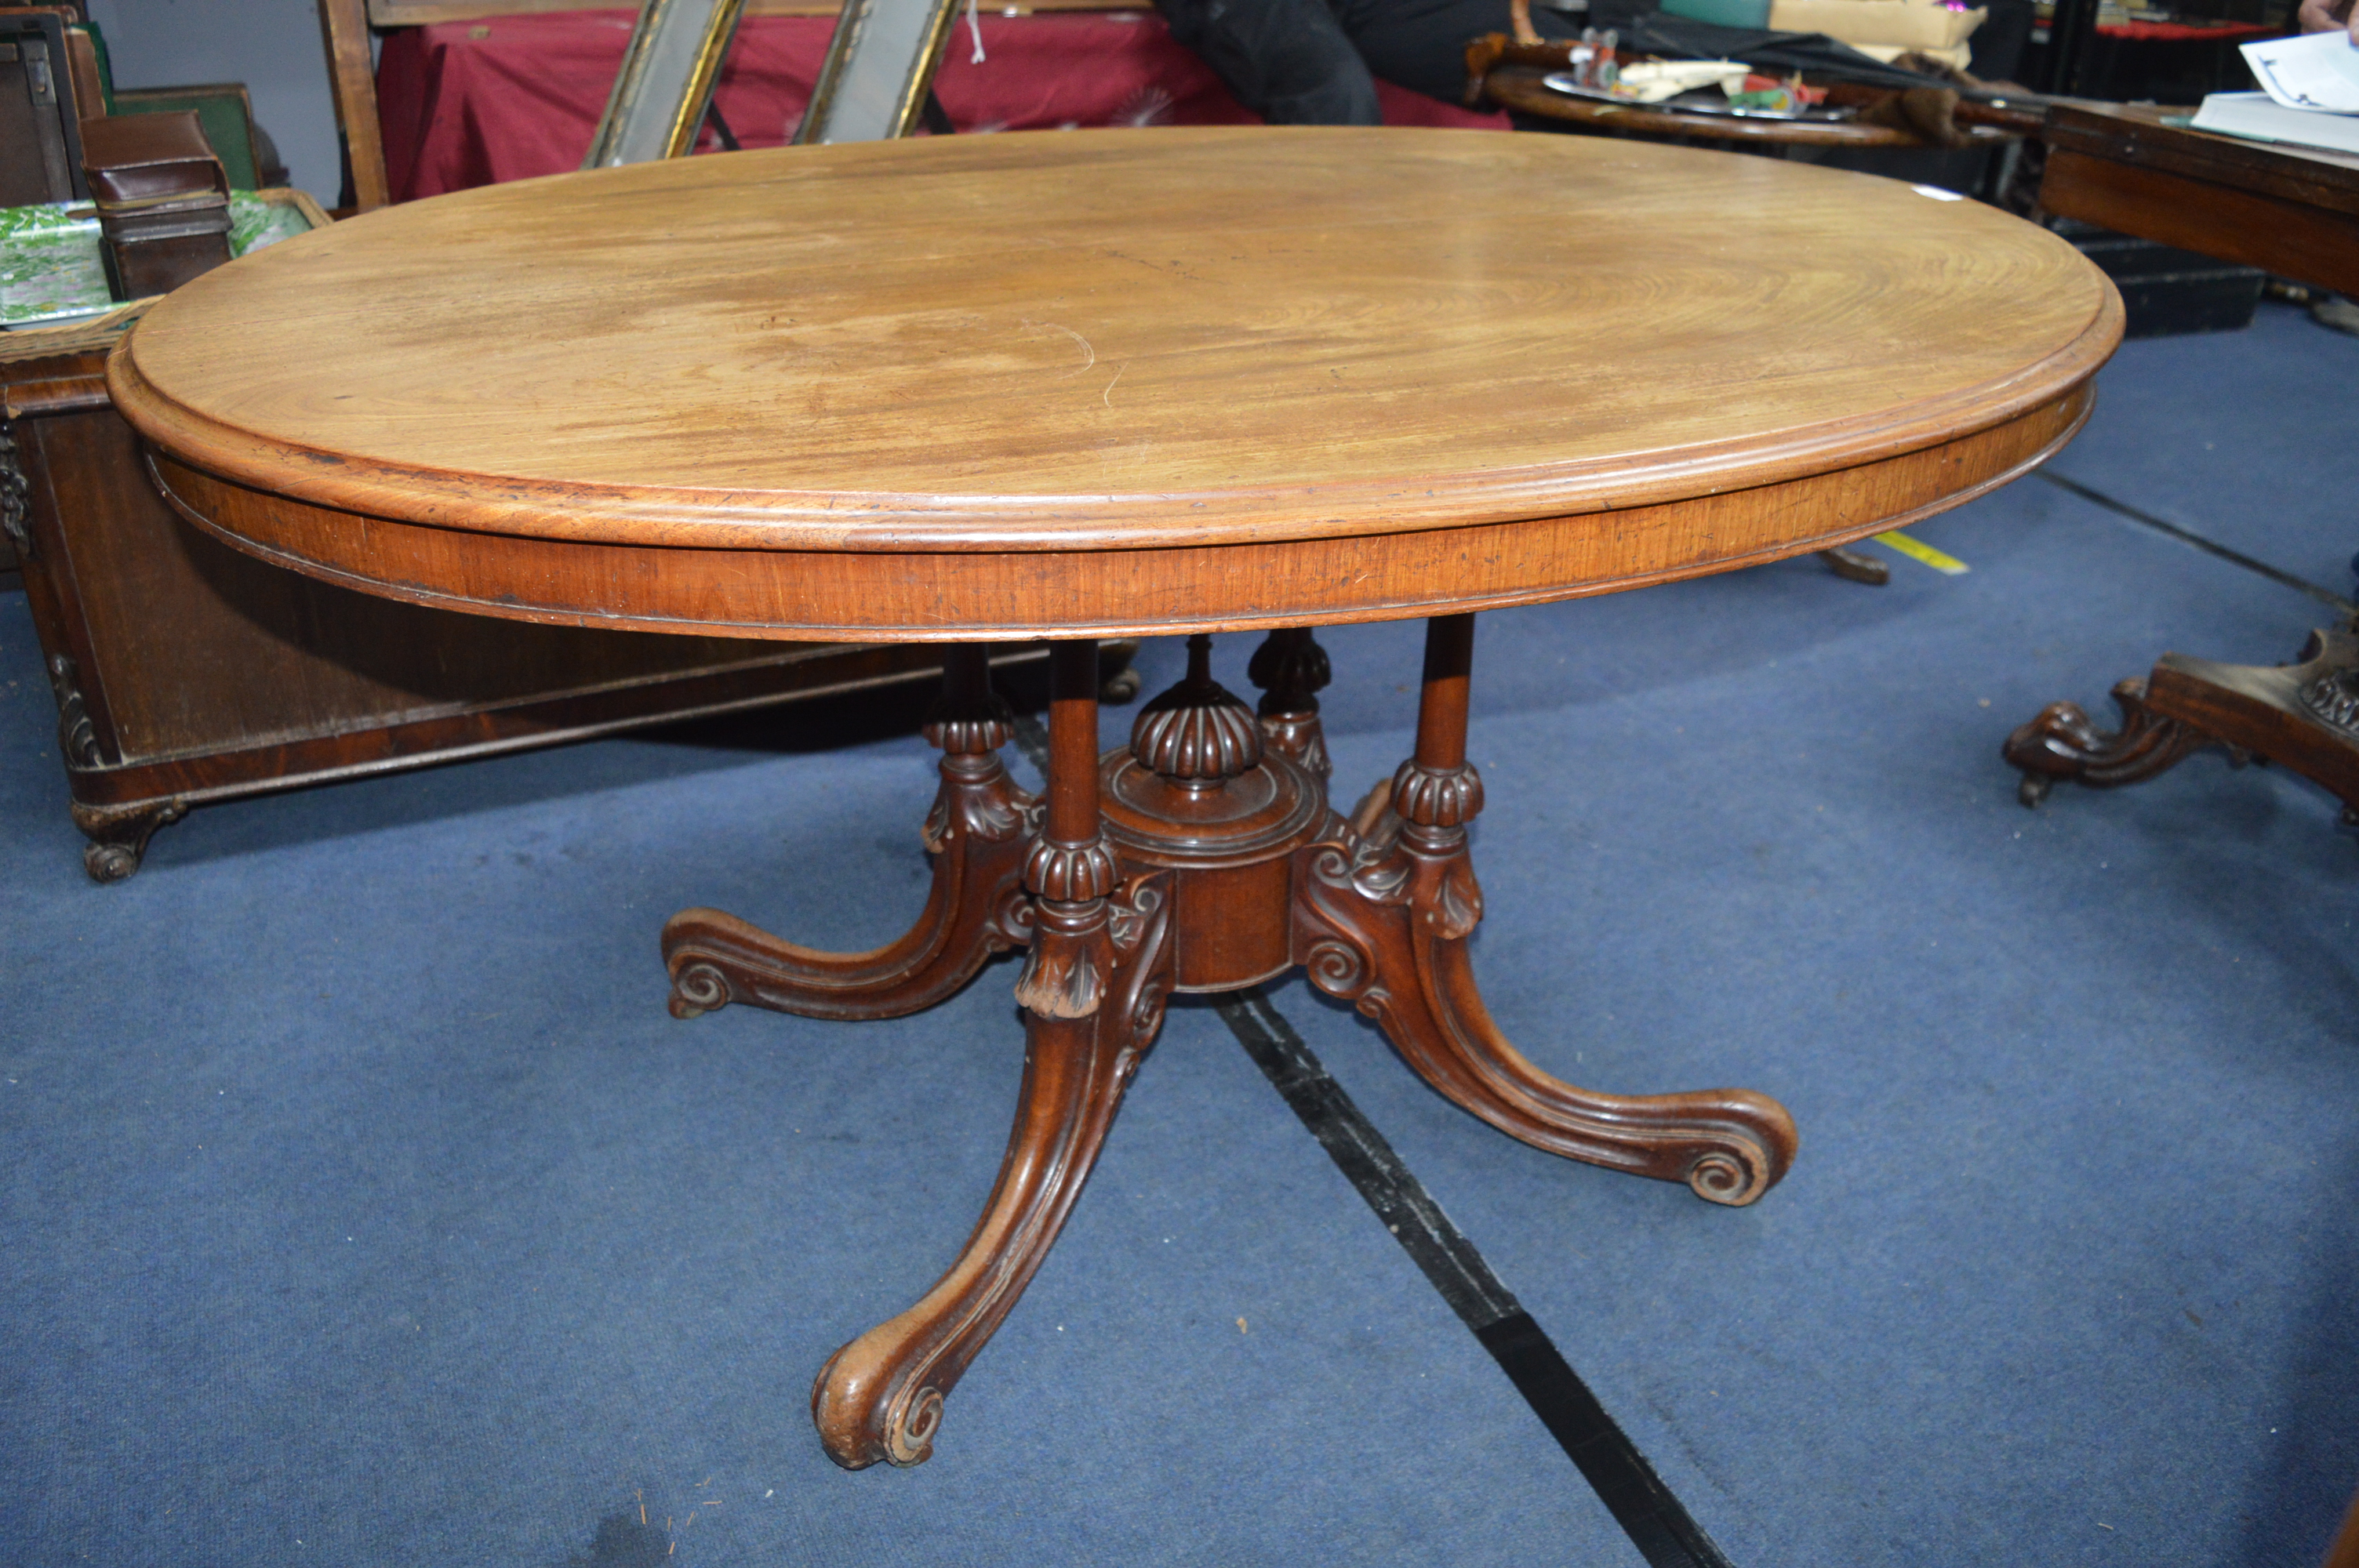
(186, 672)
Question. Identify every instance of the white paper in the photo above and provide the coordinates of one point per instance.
(2316, 70)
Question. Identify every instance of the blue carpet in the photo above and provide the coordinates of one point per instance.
(2251, 461)
(365, 1208)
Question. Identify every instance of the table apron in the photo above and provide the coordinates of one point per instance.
(952, 596)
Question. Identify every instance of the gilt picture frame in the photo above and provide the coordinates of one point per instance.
(879, 70)
(664, 88)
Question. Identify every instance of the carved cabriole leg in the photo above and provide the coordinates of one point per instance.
(118, 835)
(1092, 992)
(1291, 668)
(2063, 743)
(1383, 912)
(974, 908)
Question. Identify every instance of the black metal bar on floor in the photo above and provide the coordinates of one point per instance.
(2189, 536)
(1655, 1519)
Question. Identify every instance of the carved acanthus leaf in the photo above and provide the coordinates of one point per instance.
(1127, 915)
(2333, 698)
(1301, 738)
(1453, 906)
(77, 737)
(1064, 977)
(16, 492)
(987, 807)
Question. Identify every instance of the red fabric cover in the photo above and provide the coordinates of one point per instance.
(474, 103)
(2181, 32)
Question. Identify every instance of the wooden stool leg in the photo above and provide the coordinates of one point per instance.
(1382, 916)
(974, 908)
(1092, 990)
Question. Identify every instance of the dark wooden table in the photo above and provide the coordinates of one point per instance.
(1081, 385)
(1523, 89)
(2294, 211)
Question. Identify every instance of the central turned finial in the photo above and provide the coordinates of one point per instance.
(1197, 735)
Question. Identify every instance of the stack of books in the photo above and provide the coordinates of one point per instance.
(2310, 96)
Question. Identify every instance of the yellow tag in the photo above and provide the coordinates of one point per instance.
(1917, 550)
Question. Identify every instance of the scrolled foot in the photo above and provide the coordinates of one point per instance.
(1381, 919)
(880, 1397)
(118, 835)
(698, 988)
(978, 835)
(2063, 742)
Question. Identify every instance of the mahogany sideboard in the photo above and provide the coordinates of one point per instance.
(187, 672)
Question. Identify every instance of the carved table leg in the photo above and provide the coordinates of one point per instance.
(974, 908)
(1383, 910)
(1092, 992)
(1291, 668)
(118, 835)
(2065, 743)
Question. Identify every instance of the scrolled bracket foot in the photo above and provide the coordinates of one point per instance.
(880, 1397)
(118, 835)
(2063, 742)
(979, 834)
(1383, 913)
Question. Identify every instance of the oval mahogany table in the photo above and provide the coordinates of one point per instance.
(1097, 383)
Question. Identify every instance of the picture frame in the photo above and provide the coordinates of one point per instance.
(878, 74)
(664, 88)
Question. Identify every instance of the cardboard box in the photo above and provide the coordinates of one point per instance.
(1894, 24)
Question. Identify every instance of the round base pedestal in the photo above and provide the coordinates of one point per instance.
(1230, 849)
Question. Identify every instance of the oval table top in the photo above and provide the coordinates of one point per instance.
(1106, 382)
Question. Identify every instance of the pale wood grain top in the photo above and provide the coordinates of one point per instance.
(1056, 340)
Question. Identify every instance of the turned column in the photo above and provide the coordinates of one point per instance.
(1070, 869)
(1291, 669)
(1092, 992)
(1437, 792)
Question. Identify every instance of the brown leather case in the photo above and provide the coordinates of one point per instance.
(162, 198)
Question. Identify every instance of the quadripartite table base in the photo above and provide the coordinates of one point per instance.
(1203, 857)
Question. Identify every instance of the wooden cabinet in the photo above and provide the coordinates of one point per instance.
(186, 672)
